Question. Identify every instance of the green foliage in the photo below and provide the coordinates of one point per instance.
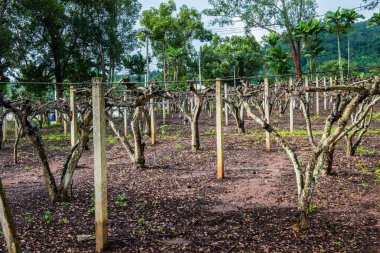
(122, 200)
(374, 20)
(92, 205)
(361, 150)
(136, 64)
(111, 139)
(28, 218)
(55, 137)
(313, 208)
(210, 132)
(222, 55)
(48, 217)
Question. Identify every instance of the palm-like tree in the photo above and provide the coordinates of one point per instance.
(136, 65)
(312, 45)
(374, 20)
(336, 23)
(351, 17)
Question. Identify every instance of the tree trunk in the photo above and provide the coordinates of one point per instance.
(73, 159)
(139, 159)
(340, 59)
(326, 162)
(49, 178)
(13, 244)
(15, 145)
(195, 142)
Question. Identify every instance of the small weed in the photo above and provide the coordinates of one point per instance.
(178, 147)
(230, 237)
(134, 232)
(313, 208)
(261, 205)
(27, 168)
(338, 243)
(201, 199)
(246, 216)
(64, 204)
(161, 229)
(92, 205)
(141, 221)
(365, 186)
(112, 139)
(122, 200)
(63, 221)
(48, 217)
(155, 203)
(140, 206)
(28, 218)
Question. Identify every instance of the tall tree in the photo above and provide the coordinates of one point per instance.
(336, 23)
(223, 54)
(268, 14)
(136, 65)
(351, 17)
(171, 33)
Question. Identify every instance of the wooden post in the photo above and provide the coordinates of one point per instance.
(307, 86)
(291, 108)
(219, 130)
(324, 95)
(64, 125)
(331, 97)
(152, 122)
(100, 171)
(125, 118)
(163, 111)
(317, 97)
(225, 104)
(73, 117)
(266, 110)
(5, 128)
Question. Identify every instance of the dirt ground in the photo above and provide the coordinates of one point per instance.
(179, 206)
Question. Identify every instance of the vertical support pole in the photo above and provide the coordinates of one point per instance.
(317, 97)
(153, 122)
(291, 107)
(100, 171)
(5, 129)
(73, 112)
(266, 110)
(64, 124)
(125, 118)
(307, 86)
(225, 104)
(324, 95)
(219, 130)
(163, 111)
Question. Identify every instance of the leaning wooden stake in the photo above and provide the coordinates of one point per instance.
(8, 228)
(219, 130)
(73, 117)
(266, 110)
(291, 108)
(317, 97)
(100, 171)
(225, 104)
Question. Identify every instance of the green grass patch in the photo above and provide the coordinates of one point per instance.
(170, 137)
(361, 150)
(111, 139)
(55, 137)
(211, 132)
